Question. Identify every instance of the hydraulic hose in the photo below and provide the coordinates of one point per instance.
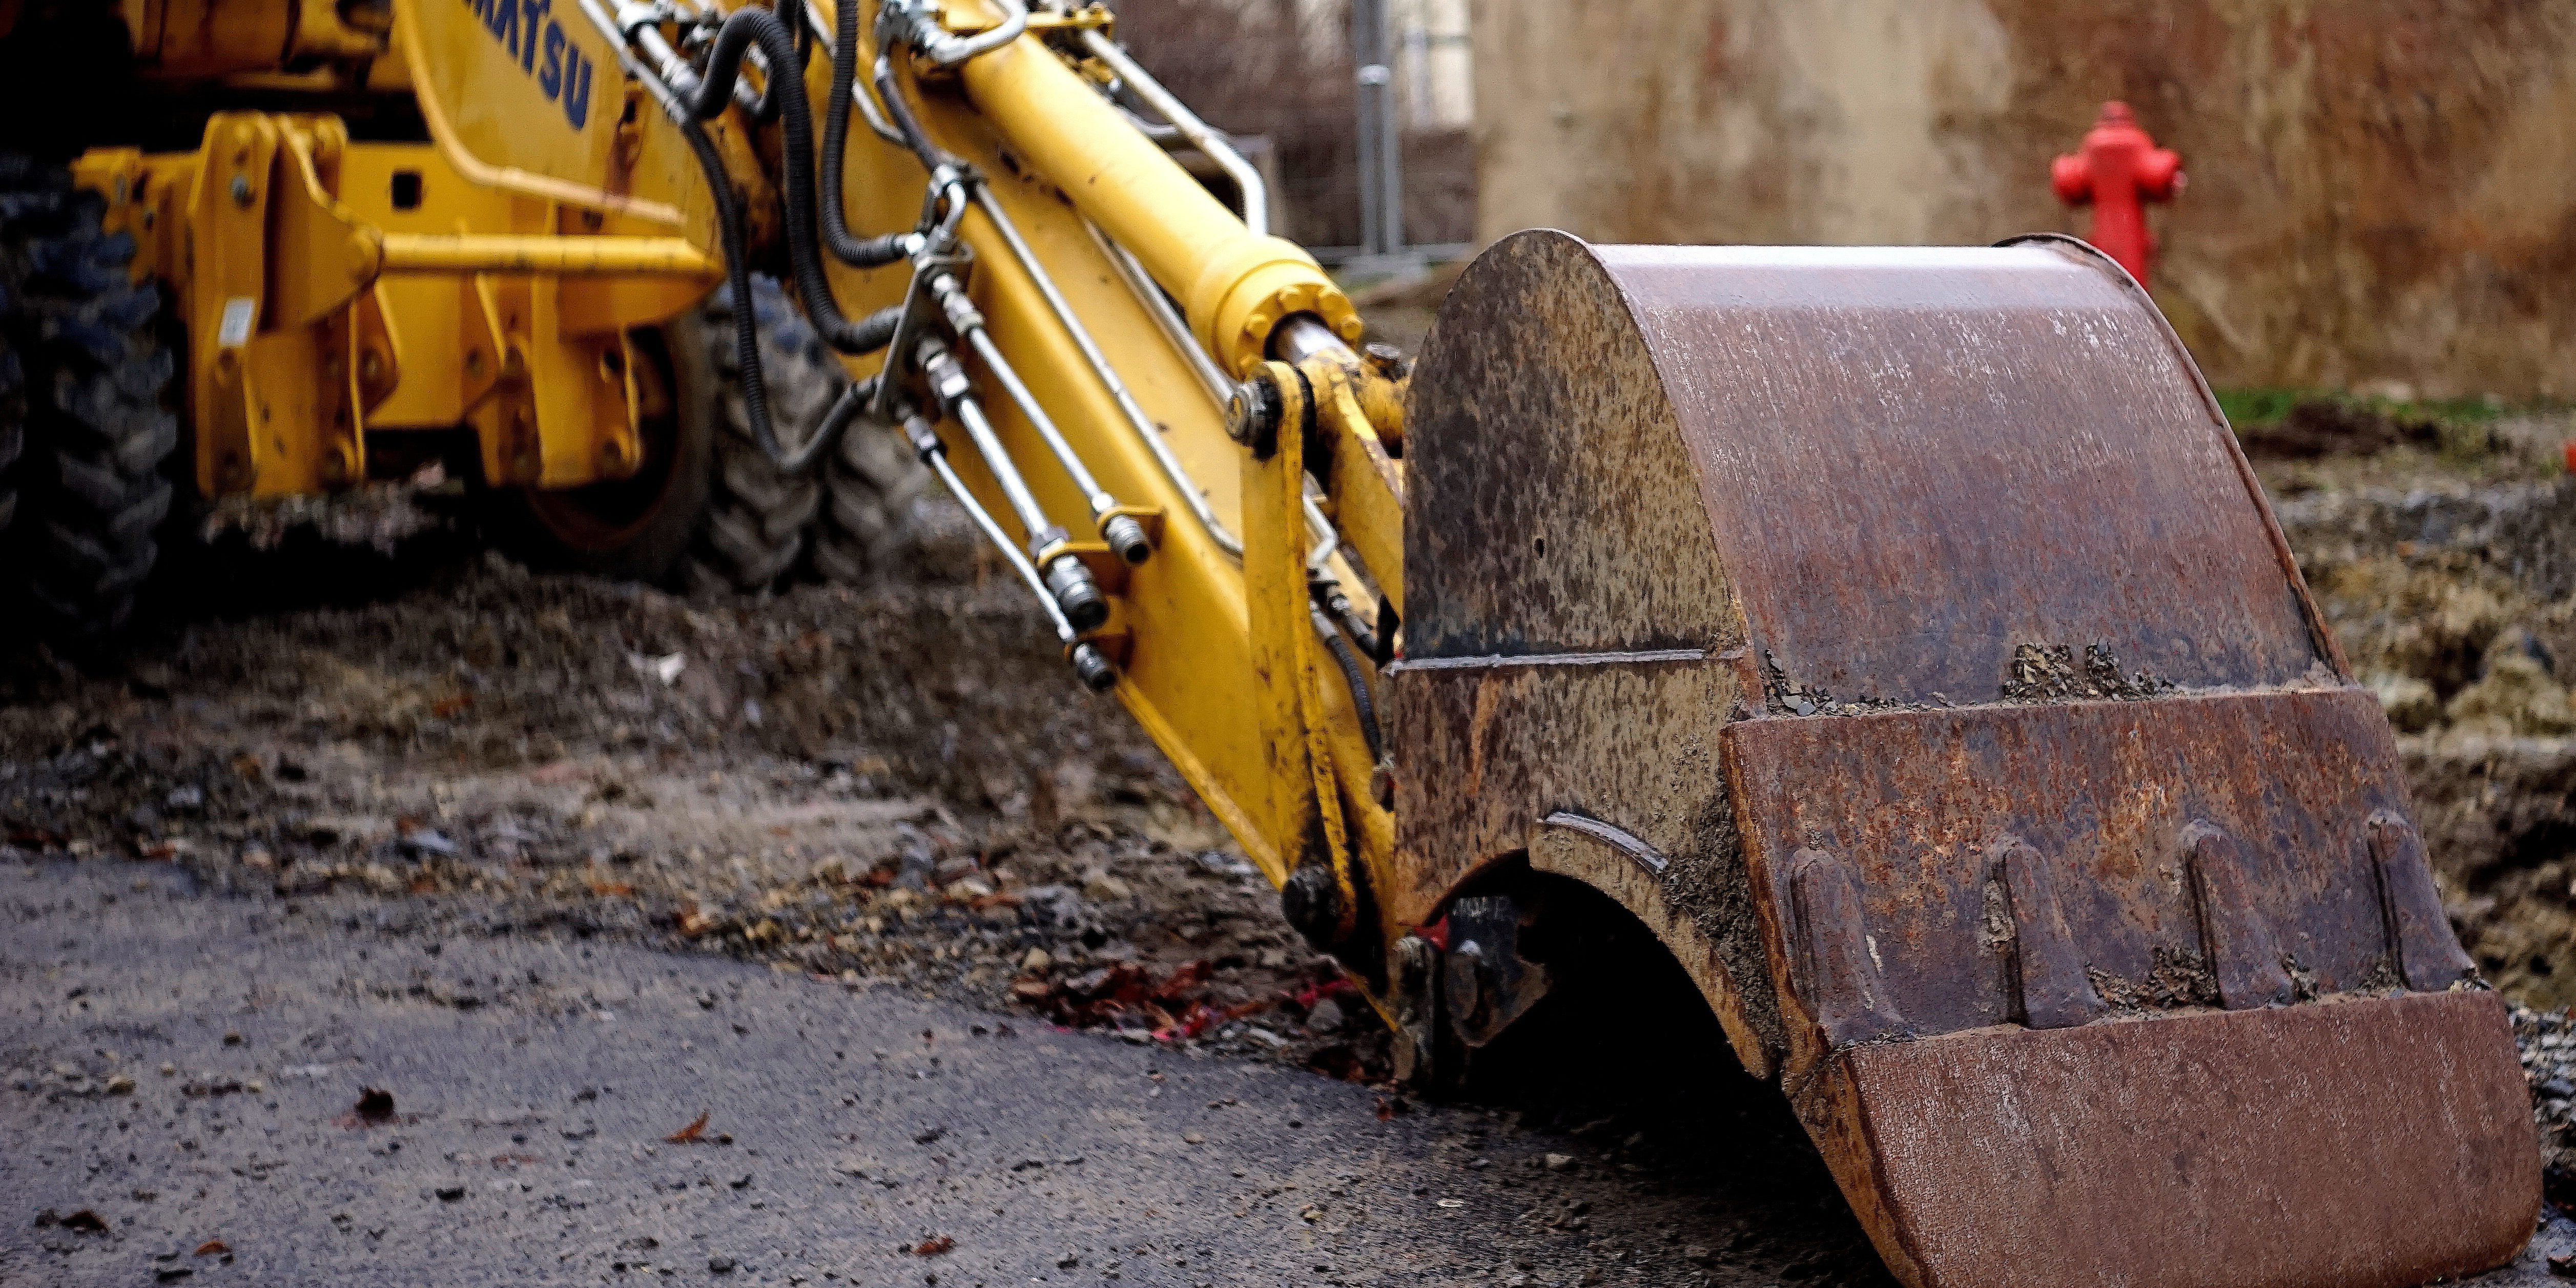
(856, 252)
(765, 108)
(711, 95)
(1363, 704)
(890, 92)
(746, 328)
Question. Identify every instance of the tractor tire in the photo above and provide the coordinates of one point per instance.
(13, 425)
(92, 487)
(882, 516)
(760, 519)
(707, 512)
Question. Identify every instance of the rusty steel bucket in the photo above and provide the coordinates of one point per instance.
(1901, 636)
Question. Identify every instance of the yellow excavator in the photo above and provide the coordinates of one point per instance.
(1895, 638)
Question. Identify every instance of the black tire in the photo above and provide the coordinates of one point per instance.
(885, 517)
(759, 519)
(92, 484)
(13, 423)
(707, 512)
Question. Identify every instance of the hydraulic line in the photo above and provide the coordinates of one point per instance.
(1065, 576)
(857, 252)
(1174, 328)
(1094, 667)
(1123, 533)
(1346, 613)
(1143, 425)
(1363, 704)
(705, 95)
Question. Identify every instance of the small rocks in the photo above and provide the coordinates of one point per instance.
(1560, 1162)
(1100, 887)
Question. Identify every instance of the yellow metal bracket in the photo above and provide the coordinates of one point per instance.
(1306, 808)
(1363, 484)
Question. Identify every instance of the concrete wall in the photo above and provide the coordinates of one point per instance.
(2381, 191)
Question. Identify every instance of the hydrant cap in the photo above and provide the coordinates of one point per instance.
(2116, 112)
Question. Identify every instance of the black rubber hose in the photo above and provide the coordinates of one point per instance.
(890, 91)
(713, 95)
(792, 12)
(1348, 615)
(855, 252)
(746, 326)
(1361, 703)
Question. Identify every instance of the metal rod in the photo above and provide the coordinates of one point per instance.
(1015, 489)
(548, 255)
(1124, 534)
(992, 530)
(1141, 285)
(1381, 148)
(1143, 425)
(944, 50)
(1088, 661)
(1247, 179)
(1368, 95)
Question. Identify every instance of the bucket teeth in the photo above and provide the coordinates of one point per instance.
(1837, 963)
(1915, 610)
(2050, 988)
(2427, 956)
(2243, 956)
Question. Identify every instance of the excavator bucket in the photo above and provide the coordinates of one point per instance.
(1900, 635)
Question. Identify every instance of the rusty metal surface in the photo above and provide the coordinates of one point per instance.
(1487, 749)
(2017, 810)
(1550, 505)
(2110, 797)
(1919, 461)
(2362, 1144)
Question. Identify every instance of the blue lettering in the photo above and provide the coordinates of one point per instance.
(576, 88)
(550, 77)
(536, 10)
(537, 43)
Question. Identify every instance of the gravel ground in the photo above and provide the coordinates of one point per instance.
(357, 734)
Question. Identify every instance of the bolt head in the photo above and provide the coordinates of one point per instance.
(1252, 414)
(241, 190)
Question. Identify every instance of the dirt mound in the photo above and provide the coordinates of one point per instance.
(903, 784)
(2319, 427)
(2455, 600)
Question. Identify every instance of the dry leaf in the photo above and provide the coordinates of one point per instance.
(212, 1247)
(934, 1246)
(689, 1135)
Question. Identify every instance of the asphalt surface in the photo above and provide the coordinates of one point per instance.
(188, 1068)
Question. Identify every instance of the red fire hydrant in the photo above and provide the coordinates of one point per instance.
(2117, 171)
